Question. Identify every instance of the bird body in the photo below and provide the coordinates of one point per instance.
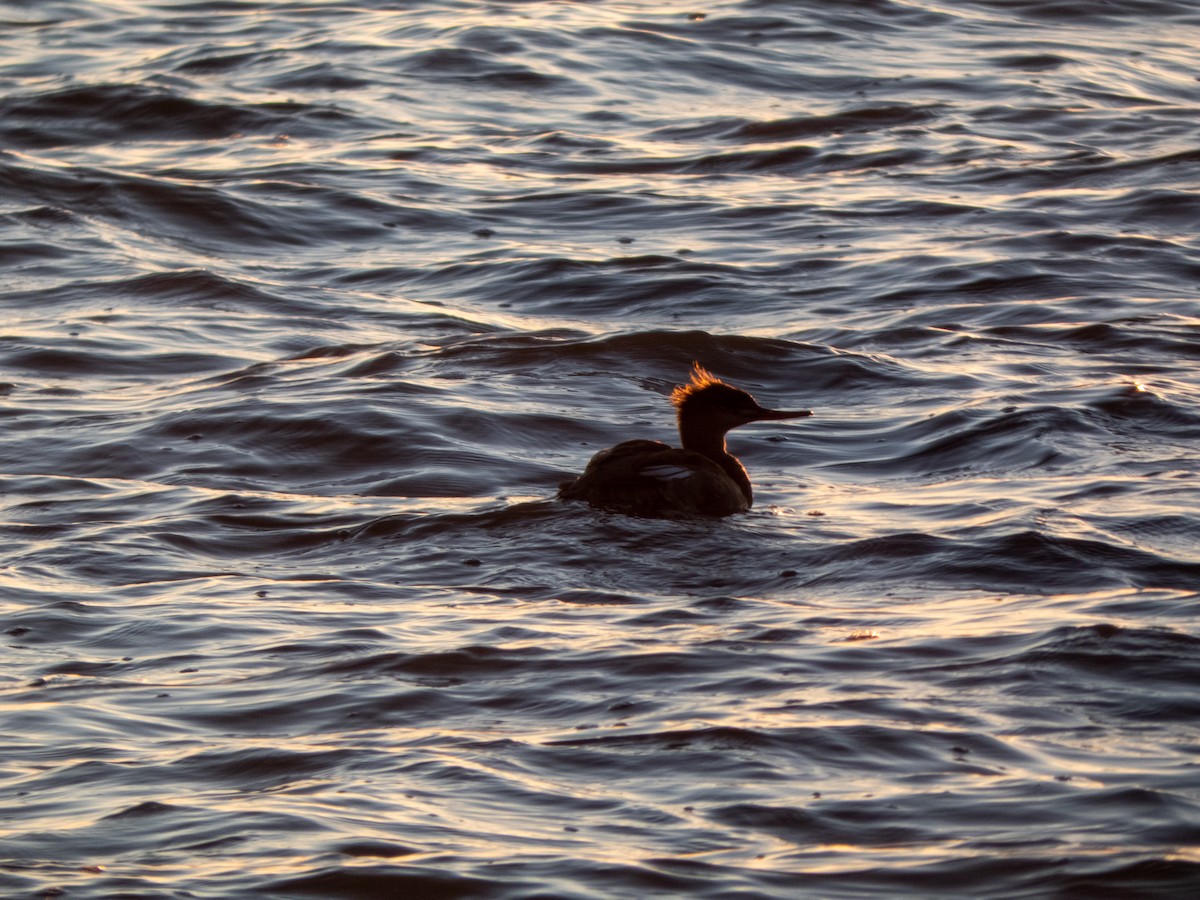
(702, 478)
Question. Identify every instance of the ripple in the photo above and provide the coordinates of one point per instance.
(308, 309)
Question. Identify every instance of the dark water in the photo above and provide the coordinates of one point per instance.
(308, 307)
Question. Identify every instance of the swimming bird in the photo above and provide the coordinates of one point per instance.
(652, 479)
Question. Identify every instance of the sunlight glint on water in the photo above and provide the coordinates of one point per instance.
(308, 310)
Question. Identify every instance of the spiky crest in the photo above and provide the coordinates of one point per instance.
(701, 378)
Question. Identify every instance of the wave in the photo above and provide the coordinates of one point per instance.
(106, 113)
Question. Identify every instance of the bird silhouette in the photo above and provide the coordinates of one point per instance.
(700, 478)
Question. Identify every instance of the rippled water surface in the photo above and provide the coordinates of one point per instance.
(307, 308)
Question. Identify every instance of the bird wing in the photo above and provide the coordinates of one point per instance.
(666, 472)
(649, 478)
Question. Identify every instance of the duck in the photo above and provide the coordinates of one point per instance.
(650, 479)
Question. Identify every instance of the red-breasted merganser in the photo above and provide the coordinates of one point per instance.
(649, 478)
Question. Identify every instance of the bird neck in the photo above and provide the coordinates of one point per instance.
(711, 444)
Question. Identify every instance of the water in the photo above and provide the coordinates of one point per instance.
(308, 308)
